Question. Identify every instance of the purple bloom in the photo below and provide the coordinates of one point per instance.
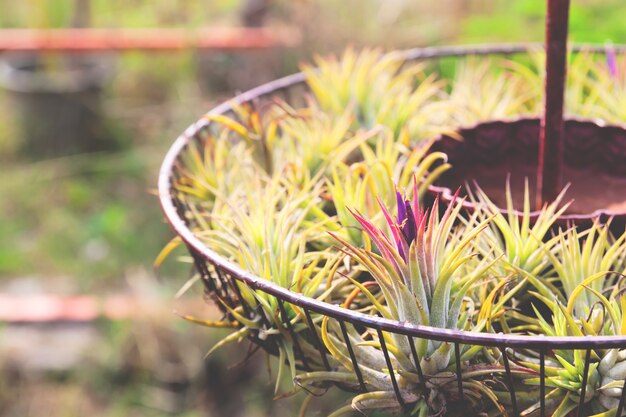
(409, 227)
(405, 218)
(611, 61)
(412, 226)
(404, 228)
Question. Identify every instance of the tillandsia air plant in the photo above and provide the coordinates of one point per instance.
(483, 91)
(389, 163)
(383, 88)
(572, 272)
(595, 84)
(584, 294)
(514, 235)
(303, 196)
(265, 230)
(423, 272)
(607, 81)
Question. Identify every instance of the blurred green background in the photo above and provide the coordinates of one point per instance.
(89, 223)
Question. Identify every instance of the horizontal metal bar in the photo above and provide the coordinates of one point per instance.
(51, 308)
(159, 39)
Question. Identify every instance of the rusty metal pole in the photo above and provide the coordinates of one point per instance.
(550, 168)
(82, 14)
(253, 13)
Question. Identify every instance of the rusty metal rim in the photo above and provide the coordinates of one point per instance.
(539, 342)
(603, 214)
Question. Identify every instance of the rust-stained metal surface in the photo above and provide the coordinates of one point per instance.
(494, 152)
(550, 167)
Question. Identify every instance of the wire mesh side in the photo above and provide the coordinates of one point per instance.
(521, 381)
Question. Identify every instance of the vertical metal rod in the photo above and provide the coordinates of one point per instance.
(509, 381)
(296, 345)
(226, 294)
(180, 207)
(82, 13)
(542, 382)
(418, 365)
(355, 364)
(253, 12)
(224, 287)
(209, 280)
(286, 92)
(392, 374)
(200, 266)
(316, 339)
(457, 354)
(622, 399)
(246, 308)
(261, 312)
(550, 167)
(583, 388)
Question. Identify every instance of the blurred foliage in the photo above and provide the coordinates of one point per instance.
(106, 13)
(591, 21)
(145, 367)
(88, 217)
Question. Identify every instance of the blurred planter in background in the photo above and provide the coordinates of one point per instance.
(57, 103)
(234, 71)
(231, 72)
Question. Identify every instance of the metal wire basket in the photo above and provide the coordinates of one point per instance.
(221, 276)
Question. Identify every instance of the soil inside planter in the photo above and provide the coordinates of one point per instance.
(589, 189)
(595, 163)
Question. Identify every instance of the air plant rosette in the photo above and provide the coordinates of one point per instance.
(309, 225)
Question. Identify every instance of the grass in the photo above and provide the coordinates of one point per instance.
(591, 21)
(85, 216)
